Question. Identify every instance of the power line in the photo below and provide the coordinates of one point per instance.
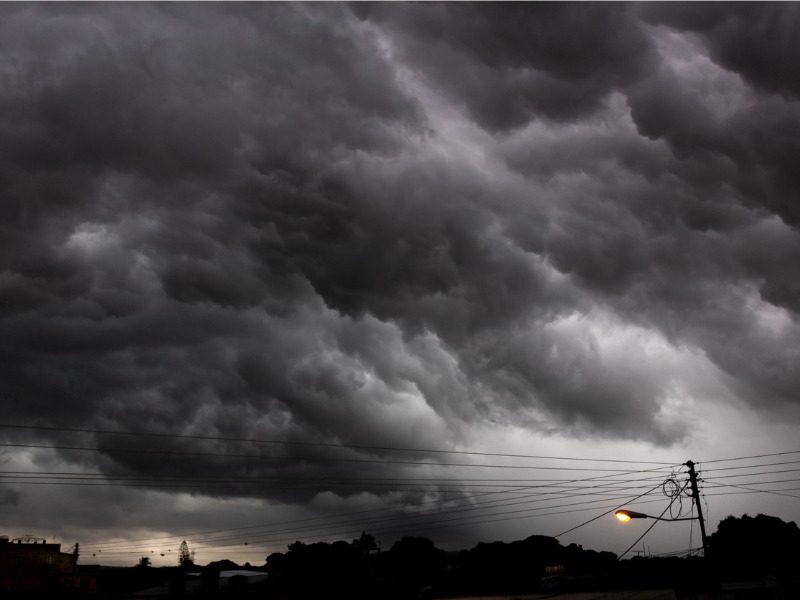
(240, 485)
(389, 484)
(419, 520)
(500, 482)
(255, 487)
(470, 520)
(301, 458)
(458, 509)
(655, 521)
(427, 525)
(754, 482)
(605, 513)
(753, 489)
(562, 484)
(560, 490)
(387, 509)
(287, 480)
(316, 444)
(775, 464)
(465, 521)
(356, 530)
(757, 473)
(718, 460)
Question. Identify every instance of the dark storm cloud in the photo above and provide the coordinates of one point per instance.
(509, 64)
(145, 152)
(387, 224)
(753, 42)
(9, 498)
(750, 38)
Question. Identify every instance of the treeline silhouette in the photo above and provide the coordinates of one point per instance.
(758, 546)
(754, 549)
(414, 567)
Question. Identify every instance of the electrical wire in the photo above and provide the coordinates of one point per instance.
(655, 521)
(314, 444)
(480, 506)
(610, 480)
(564, 485)
(550, 493)
(36, 478)
(757, 473)
(756, 482)
(754, 491)
(774, 464)
(718, 460)
(464, 486)
(605, 513)
(404, 521)
(288, 480)
(671, 488)
(749, 489)
(474, 520)
(312, 459)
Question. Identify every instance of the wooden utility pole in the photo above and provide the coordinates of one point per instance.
(696, 499)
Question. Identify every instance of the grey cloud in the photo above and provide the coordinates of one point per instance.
(754, 134)
(512, 64)
(750, 38)
(9, 498)
(241, 221)
(131, 129)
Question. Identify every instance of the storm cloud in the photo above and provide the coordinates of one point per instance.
(393, 224)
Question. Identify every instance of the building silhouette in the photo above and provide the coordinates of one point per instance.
(31, 564)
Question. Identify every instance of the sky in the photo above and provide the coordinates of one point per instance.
(311, 246)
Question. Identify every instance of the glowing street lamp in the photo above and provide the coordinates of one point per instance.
(624, 515)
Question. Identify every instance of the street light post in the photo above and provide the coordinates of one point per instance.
(625, 515)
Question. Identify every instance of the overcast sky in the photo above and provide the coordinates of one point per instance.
(550, 229)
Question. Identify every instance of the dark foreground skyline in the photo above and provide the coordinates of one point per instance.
(558, 230)
(747, 557)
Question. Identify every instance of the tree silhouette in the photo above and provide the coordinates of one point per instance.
(366, 543)
(185, 557)
(755, 546)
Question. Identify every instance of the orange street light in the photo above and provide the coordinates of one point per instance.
(624, 516)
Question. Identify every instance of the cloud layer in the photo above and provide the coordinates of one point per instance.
(394, 224)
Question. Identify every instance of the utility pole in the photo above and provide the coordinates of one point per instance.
(696, 498)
